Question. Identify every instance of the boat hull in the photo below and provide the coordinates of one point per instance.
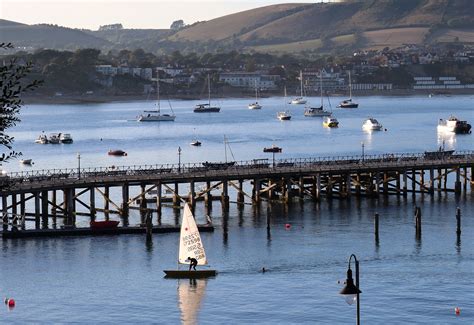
(106, 224)
(352, 105)
(207, 110)
(157, 118)
(184, 274)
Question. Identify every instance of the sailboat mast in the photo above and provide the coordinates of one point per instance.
(301, 82)
(321, 85)
(209, 88)
(225, 148)
(350, 85)
(158, 91)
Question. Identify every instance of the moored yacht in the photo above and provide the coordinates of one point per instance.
(65, 138)
(155, 115)
(255, 105)
(348, 103)
(284, 116)
(207, 108)
(54, 138)
(42, 139)
(452, 124)
(317, 111)
(330, 122)
(300, 100)
(371, 124)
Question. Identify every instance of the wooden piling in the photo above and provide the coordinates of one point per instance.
(149, 227)
(458, 221)
(125, 198)
(376, 225)
(418, 222)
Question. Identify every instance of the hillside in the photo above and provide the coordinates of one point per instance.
(48, 36)
(285, 28)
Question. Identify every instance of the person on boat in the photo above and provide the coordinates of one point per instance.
(193, 263)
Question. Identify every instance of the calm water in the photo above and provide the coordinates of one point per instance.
(119, 279)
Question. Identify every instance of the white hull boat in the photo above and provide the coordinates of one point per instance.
(371, 124)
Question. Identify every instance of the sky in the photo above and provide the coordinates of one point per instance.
(130, 13)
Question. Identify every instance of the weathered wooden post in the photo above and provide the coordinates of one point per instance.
(418, 222)
(5, 213)
(457, 184)
(37, 210)
(149, 227)
(125, 198)
(240, 193)
(158, 201)
(208, 196)
(225, 195)
(192, 196)
(458, 221)
(176, 199)
(376, 226)
(92, 210)
(44, 209)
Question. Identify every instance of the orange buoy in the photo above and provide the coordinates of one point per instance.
(287, 226)
(457, 310)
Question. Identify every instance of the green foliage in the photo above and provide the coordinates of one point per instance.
(12, 85)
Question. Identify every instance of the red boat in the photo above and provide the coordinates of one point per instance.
(106, 224)
(117, 153)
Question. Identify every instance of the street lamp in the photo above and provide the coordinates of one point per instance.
(363, 146)
(179, 159)
(78, 165)
(351, 291)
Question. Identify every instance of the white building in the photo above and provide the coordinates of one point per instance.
(250, 80)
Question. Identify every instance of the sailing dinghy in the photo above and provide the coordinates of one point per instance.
(190, 245)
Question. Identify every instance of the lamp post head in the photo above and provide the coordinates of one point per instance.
(350, 290)
(179, 149)
(78, 155)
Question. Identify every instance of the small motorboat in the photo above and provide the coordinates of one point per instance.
(453, 124)
(273, 149)
(195, 143)
(330, 122)
(54, 138)
(117, 153)
(26, 162)
(284, 116)
(106, 224)
(65, 138)
(42, 139)
(371, 124)
(255, 105)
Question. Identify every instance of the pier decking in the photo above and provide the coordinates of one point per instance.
(69, 193)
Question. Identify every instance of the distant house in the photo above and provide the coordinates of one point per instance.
(250, 79)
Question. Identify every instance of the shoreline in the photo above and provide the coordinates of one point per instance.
(98, 99)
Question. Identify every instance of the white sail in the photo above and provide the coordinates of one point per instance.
(190, 244)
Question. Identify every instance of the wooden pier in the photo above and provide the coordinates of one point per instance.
(45, 196)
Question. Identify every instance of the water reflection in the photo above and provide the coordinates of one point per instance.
(447, 140)
(190, 296)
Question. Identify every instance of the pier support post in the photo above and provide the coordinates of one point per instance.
(405, 183)
(37, 210)
(465, 180)
(225, 195)
(208, 196)
(106, 199)
(158, 201)
(301, 188)
(377, 183)
(257, 186)
(318, 186)
(149, 227)
(5, 213)
(125, 198)
(143, 204)
(385, 183)
(192, 196)
(329, 187)
(422, 181)
(92, 211)
(357, 185)
(23, 205)
(397, 183)
(348, 185)
(240, 193)
(44, 209)
(457, 184)
(176, 200)
(431, 181)
(413, 181)
(14, 206)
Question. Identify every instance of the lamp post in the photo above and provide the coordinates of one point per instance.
(363, 147)
(351, 291)
(78, 165)
(179, 159)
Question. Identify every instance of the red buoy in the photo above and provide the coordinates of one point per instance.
(287, 226)
(457, 310)
(11, 302)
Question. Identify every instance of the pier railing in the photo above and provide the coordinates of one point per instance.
(240, 167)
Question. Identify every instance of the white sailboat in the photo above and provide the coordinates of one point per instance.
(255, 105)
(300, 100)
(284, 115)
(190, 246)
(348, 103)
(317, 111)
(155, 115)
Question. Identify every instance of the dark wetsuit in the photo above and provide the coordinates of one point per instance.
(193, 263)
